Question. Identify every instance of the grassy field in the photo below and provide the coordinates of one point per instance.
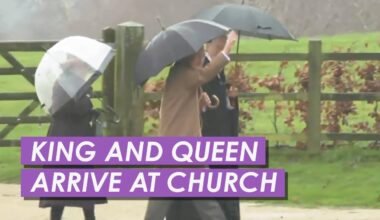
(347, 176)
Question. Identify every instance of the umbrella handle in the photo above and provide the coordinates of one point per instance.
(217, 102)
(237, 49)
(108, 109)
(115, 116)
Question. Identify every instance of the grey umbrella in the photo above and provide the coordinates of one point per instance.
(247, 20)
(174, 43)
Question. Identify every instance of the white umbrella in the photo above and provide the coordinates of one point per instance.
(68, 69)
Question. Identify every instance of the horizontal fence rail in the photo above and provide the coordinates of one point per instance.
(270, 57)
(25, 120)
(32, 96)
(366, 96)
(26, 46)
(351, 56)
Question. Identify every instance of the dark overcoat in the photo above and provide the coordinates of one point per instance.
(73, 119)
(222, 121)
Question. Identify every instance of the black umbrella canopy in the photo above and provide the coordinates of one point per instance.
(174, 43)
(248, 20)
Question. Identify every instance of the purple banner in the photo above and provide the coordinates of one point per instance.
(143, 183)
(143, 151)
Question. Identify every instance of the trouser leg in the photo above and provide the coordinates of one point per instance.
(231, 208)
(157, 209)
(89, 213)
(56, 212)
(209, 209)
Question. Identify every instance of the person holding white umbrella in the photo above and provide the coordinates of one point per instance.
(63, 81)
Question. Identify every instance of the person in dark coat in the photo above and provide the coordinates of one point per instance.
(72, 119)
(222, 121)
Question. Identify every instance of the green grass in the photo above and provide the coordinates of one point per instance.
(355, 41)
(10, 165)
(341, 177)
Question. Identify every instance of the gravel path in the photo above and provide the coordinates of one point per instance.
(13, 207)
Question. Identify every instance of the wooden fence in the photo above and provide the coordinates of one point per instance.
(120, 93)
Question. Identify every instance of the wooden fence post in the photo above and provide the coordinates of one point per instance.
(314, 96)
(128, 98)
(108, 86)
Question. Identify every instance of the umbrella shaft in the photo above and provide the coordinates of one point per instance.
(237, 48)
